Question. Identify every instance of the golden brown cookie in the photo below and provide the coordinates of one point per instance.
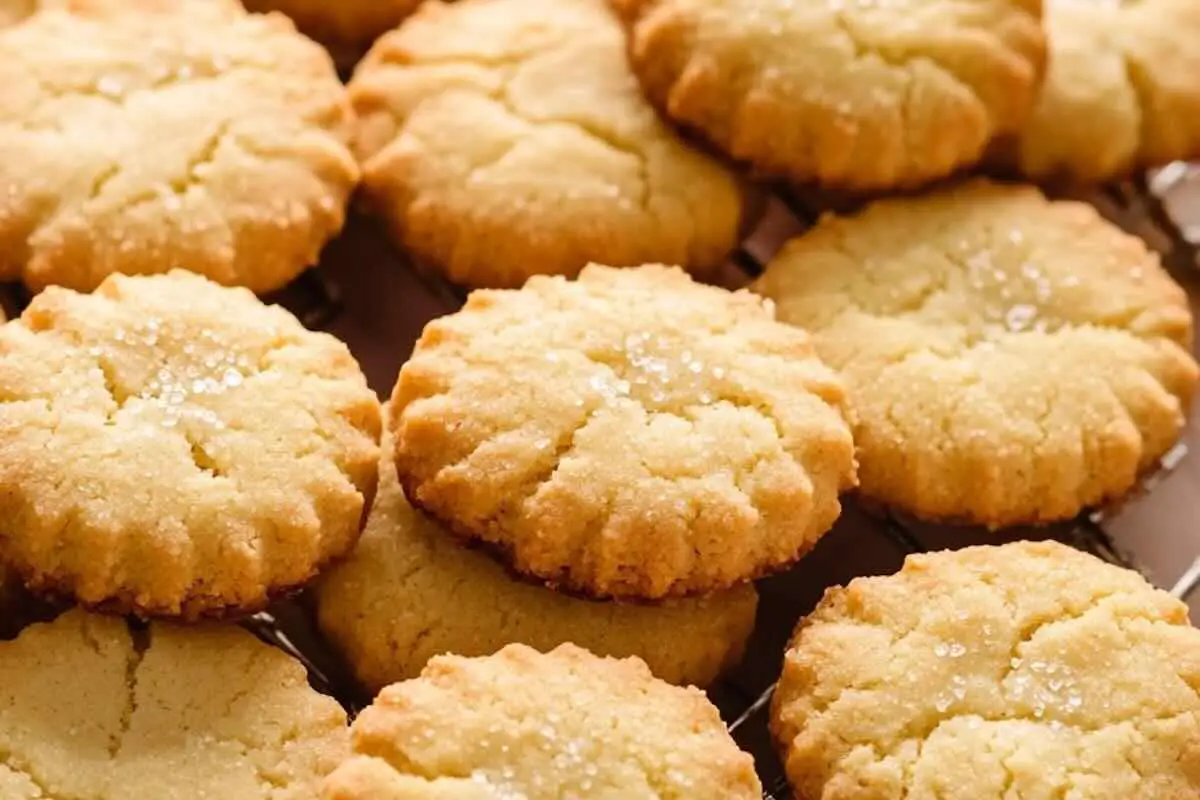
(630, 434)
(344, 25)
(541, 727)
(1122, 91)
(991, 673)
(507, 138)
(410, 591)
(846, 94)
(92, 708)
(169, 446)
(1009, 359)
(223, 149)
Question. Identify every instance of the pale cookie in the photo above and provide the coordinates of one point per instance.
(169, 446)
(564, 724)
(846, 94)
(92, 708)
(223, 147)
(993, 673)
(630, 434)
(409, 591)
(1122, 91)
(343, 24)
(507, 138)
(1009, 359)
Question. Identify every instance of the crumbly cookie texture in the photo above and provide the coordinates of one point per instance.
(410, 591)
(345, 24)
(541, 726)
(169, 446)
(1122, 90)
(630, 434)
(848, 95)
(1028, 670)
(224, 148)
(1009, 359)
(92, 708)
(506, 138)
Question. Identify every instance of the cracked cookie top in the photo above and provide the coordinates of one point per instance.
(91, 707)
(1122, 91)
(410, 591)
(629, 434)
(1009, 359)
(222, 148)
(1028, 670)
(539, 726)
(845, 94)
(507, 138)
(169, 446)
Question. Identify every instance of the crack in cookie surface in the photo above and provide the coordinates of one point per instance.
(1029, 669)
(1010, 359)
(631, 433)
(147, 430)
(506, 139)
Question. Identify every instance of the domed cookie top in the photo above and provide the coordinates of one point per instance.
(847, 94)
(169, 446)
(1009, 359)
(410, 591)
(1122, 90)
(507, 138)
(92, 708)
(542, 727)
(1022, 671)
(629, 434)
(223, 149)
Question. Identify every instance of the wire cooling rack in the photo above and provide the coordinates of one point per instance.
(365, 293)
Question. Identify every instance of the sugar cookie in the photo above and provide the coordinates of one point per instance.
(169, 446)
(1009, 359)
(541, 727)
(1022, 671)
(630, 434)
(507, 138)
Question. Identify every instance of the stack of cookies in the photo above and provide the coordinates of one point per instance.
(564, 506)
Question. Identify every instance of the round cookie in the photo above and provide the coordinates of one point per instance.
(630, 434)
(224, 147)
(1009, 359)
(345, 25)
(1028, 670)
(507, 138)
(540, 727)
(90, 707)
(169, 446)
(1122, 91)
(409, 591)
(856, 96)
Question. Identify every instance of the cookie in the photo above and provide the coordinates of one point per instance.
(409, 591)
(90, 707)
(631, 434)
(224, 148)
(169, 446)
(1122, 92)
(346, 25)
(1027, 670)
(541, 726)
(852, 96)
(506, 138)
(1009, 359)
